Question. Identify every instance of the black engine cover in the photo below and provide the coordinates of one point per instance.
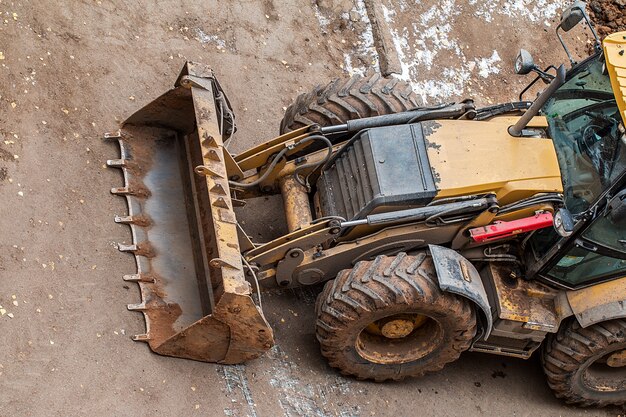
(384, 169)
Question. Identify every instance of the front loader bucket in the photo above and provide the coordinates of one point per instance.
(195, 299)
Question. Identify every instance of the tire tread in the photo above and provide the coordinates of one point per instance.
(379, 284)
(348, 99)
(566, 352)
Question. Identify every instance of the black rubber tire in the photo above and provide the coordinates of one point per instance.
(567, 355)
(345, 99)
(381, 288)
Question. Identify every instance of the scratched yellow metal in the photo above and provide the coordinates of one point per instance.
(598, 295)
(469, 157)
(257, 156)
(615, 52)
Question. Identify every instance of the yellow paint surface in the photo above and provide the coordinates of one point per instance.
(474, 157)
(597, 295)
(615, 52)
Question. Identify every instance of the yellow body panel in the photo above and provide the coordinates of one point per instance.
(471, 157)
(615, 52)
(599, 302)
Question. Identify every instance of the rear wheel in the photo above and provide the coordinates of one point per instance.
(587, 366)
(388, 319)
(342, 100)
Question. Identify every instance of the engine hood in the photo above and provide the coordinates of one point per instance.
(475, 157)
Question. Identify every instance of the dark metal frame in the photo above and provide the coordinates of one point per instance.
(541, 267)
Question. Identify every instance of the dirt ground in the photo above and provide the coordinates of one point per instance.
(608, 15)
(72, 70)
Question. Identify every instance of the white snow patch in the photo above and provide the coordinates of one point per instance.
(365, 46)
(532, 10)
(487, 66)
(323, 20)
(429, 40)
(206, 38)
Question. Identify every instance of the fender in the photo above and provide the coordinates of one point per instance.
(457, 275)
(599, 303)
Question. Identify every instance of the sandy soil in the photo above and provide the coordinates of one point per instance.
(72, 70)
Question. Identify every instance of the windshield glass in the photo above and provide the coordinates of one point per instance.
(586, 128)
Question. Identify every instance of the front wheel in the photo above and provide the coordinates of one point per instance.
(587, 366)
(388, 319)
(348, 99)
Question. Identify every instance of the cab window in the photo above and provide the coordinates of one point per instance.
(599, 253)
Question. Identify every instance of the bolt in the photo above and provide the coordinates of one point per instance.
(294, 254)
(283, 283)
(335, 230)
(621, 52)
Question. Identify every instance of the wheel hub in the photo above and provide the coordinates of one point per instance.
(396, 329)
(617, 359)
(399, 338)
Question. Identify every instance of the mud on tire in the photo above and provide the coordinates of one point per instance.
(342, 100)
(574, 361)
(383, 289)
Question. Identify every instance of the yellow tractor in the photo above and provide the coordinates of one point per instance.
(437, 229)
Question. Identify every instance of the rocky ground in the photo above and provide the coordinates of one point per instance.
(72, 70)
(608, 15)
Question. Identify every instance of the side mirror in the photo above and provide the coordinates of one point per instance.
(616, 209)
(524, 63)
(563, 222)
(572, 16)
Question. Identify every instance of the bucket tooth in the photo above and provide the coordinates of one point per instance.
(138, 220)
(120, 190)
(141, 337)
(132, 277)
(137, 307)
(138, 278)
(127, 248)
(116, 163)
(113, 135)
(212, 155)
(124, 219)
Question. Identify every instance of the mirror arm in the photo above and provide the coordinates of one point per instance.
(569, 55)
(537, 78)
(543, 75)
(598, 44)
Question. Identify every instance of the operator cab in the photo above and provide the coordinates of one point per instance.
(588, 132)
